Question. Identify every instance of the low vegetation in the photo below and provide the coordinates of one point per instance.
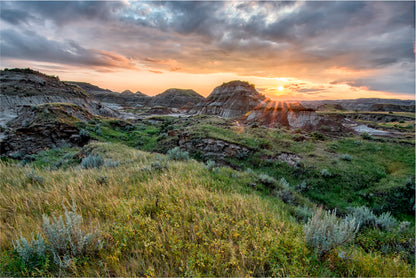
(277, 202)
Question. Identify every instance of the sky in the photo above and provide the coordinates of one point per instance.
(287, 49)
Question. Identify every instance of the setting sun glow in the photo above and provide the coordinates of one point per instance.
(280, 88)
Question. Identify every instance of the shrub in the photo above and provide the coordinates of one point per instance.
(386, 222)
(102, 180)
(32, 177)
(366, 218)
(92, 161)
(159, 165)
(404, 226)
(266, 179)
(84, 135)
(250, 172)
(177, 154)
(366, 136)
(324, 231)
(363, 215)
(301, 187)
(284, 183)
(318, 136)
(210, 165)
(63, 240)
(346, 157)
(111, 163)
(325, 173)
(303, 213)
(33, 252)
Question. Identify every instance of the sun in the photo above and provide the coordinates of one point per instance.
(280, 88)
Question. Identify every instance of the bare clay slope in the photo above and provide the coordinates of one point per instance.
(20, 87)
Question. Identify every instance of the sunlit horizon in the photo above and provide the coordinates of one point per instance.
(288, 50)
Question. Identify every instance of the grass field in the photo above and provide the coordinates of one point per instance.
(156, 216)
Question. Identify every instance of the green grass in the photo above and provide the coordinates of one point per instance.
(180, 221)
(378, 167)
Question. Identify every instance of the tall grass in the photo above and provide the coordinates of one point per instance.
(182, 220)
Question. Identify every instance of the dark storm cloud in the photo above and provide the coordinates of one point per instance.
(14, 16)
(30, 45)
(61, 12)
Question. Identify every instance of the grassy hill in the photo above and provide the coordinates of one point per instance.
(152, 215)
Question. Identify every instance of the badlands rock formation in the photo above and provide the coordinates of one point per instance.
(230, 100)
(20, 87)
(238, 99)
(176, 98)
(126, 99)
(43, 126)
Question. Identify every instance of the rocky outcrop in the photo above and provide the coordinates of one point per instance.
(159, 110)
(211, 148)
(230, 100)
(43, 127)
(20, 87)
(275, 114)
(240, 100)
(176, 98)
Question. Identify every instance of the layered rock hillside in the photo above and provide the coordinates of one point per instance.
(230, 100)
(238, 99)
(44, 126)
(274, 114)
(113, 99)
(176, 98)
(20, 87)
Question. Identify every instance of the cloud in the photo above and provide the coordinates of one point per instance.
(60, 12)
(30, 45)
(15, 16)
(301, 39)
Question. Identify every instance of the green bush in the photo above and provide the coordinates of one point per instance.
(63, 240)
(303, 213)
(284, 183)
(210, 165)
(318, 136)
(84, 135)
(111, 163)
(266, 179)
(33, 253)
(159, 165)
(324, 231)
(32, 177)
(177, 154)
(366, 136)
(346, 157)
(325, 173)
(386, 222)
(92, 161)
(363, 215)
(367, 219)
